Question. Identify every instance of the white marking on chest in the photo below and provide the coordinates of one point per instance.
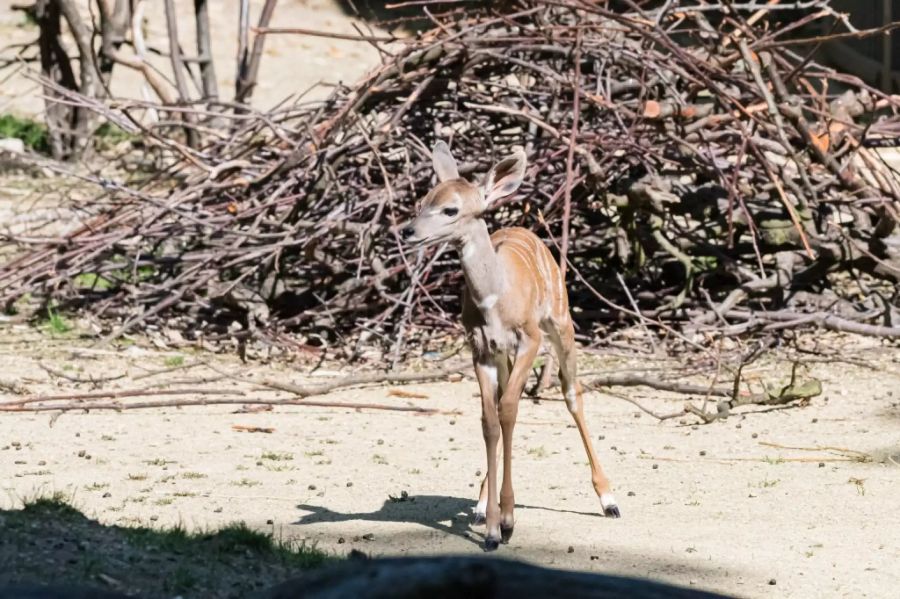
(488, 302)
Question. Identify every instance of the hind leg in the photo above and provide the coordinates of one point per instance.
(564, 343)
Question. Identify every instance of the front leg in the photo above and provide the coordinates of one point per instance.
(509, 409)
(486, 373)
(501, 361)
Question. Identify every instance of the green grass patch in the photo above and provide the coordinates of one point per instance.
(32, 133)
(111, 134)
(174, 361)
(56, 324)
(92, 281)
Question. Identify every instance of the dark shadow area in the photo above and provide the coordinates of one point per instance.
(431, 511)
(50, 550)
(51, 542)
(469, 577)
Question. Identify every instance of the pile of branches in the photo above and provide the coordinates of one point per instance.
(697, 171)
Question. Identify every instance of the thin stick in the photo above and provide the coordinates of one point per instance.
(115, 406)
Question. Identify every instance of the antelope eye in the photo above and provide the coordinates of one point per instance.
(451, 211)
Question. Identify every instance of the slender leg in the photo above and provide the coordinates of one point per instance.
(509, 408)
(564, 342)
(502, 364)
(486, 373)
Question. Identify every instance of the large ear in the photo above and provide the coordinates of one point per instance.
(444, 164)
(505, 177)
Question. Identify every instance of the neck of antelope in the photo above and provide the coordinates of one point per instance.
(480, 265)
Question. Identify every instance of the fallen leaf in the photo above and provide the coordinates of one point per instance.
(821, 141)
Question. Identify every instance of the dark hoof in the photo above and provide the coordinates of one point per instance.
(612, 512)
(491, 544)
(505, 534)
(478, 520)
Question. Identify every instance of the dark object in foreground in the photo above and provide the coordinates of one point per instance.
(38, 591)
(468, 577)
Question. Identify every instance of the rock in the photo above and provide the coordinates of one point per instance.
(464, 577)
(13, 145)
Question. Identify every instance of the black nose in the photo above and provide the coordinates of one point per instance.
(407, 232)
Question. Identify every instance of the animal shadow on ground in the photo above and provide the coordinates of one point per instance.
(433, 511)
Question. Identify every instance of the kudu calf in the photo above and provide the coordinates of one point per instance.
(515, 294)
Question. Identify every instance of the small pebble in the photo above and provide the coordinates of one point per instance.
(613, 447)
(349, 483)
(107, 494)
(368, 536)
(421, 429)
(341, 541)
(81, 453)
(821, 464)
(452, 422)
(601, 437)
(772, 581)
(738, 425)
(571, 549)
(380, 442)
(42, 463)
(656, 466)
(270, 521)
(218, 510)
(154, 518)
(754, 435)
(451, 439)
(702, 453)
(478, 473)
(595, 558)
(815, 420)
(631, 493)
(312, 487)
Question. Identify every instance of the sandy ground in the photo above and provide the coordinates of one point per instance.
(291, 64)
(707, 506)
(713, 506)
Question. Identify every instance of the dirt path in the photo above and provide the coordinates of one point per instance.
(710, 506)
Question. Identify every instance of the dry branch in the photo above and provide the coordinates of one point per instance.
(697, 176)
